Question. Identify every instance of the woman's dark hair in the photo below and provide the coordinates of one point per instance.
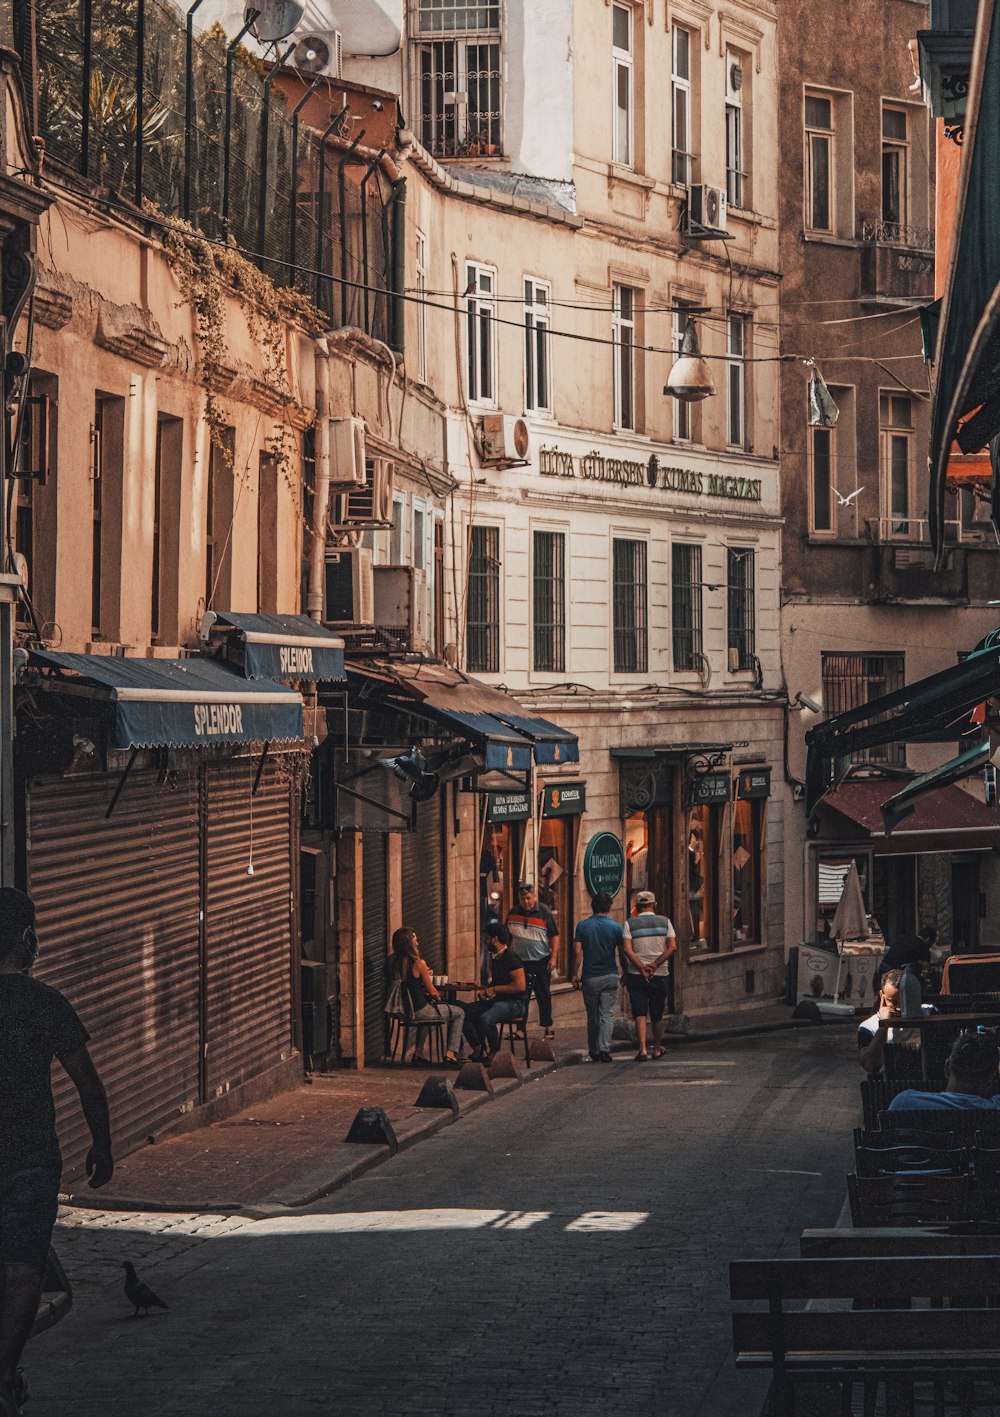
(928, 934)
(976, 1055)
(601, 903)
(17, 914)
(497, 930)
(404, 950)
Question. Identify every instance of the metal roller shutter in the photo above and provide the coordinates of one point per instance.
(375, 944)
(118, 919)
(248, 920)
(423, 882)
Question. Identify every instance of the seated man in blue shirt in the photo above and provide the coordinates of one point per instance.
(973, 1074)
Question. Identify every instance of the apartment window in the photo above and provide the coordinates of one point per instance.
(629, 607)
(896, 436)
(483, 621)
(97, 506)
(852, 680)
(683, 410)
(822, 481)
(895, 166)
(481, 283)
(736, 380)
(397, 531)
(685, 601)
(549, 587)
(167, 473)
(735, 131)
(740, 618)
(421, 293)
(419, 549)
(267, 535)
(683, 155)
(219, 519)
(624, 79)
(459, 76)
(623, 335)
(820, 163)
(537, 344)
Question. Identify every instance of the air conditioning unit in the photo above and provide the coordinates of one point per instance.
(369, 505)
(349, 591)
(320, 53)
(707, 210)
(402, 605)
(347, 452)
(503, 439)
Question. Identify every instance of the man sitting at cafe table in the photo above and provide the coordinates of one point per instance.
(972, 1070)
(502, 1000)
(872, 1039)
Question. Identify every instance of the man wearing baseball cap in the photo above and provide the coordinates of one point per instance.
(649, 944)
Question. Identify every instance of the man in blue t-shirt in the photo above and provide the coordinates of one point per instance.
(973, 1074)
(598, 945)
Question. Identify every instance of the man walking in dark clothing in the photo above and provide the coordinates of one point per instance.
(36, 1025)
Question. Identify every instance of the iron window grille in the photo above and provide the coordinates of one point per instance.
(686, 605)
(550, 601)
(740, 620)
(852, 680)
(629, 596)
(483, 621)
(459, 75)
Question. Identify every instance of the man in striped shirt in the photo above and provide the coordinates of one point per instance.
(649, 944)
(534, 938)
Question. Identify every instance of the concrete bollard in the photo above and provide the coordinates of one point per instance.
(438, 1092)
(540, 1051)
(372, 1127)
(504, 1066)
(474, 1078)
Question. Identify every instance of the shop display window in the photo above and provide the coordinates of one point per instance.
(555, 880)
(703, 840)
(748, 854)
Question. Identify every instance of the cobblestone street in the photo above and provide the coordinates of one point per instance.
(561, 1251)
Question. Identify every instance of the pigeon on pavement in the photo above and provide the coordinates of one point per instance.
(138, 1293)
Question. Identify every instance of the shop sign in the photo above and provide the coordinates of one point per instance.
(710, 790)
(604, 864)
(564, 799)
(508, 806)
(623, 472)
(754, 783)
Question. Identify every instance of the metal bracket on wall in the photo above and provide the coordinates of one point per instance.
(260, 768)
(121, 783)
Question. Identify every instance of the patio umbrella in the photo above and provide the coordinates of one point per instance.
(851, 919)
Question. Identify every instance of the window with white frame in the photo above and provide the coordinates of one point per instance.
(421, 293)
(685, 605)
(684, 411)
(736, 380)
(822, 481)
(483, 618)
(683, 137)
(629, 593)
(741, 617)
(820, 163)
(481, 305)
(623, 336)
(418, 550)
(623, 72)
(549, 601)
(397, 532)
(896, 436)
(458, 77)
(736, 137)
(895, 166)
(537, 345)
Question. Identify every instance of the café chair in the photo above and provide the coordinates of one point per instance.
(908, 1198)
(889, 1160)
(399, 1026)
(908, 1136)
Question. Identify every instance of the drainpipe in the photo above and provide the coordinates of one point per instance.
(397, 264)
(321, 493)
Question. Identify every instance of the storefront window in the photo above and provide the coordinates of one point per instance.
(555, 880)
(498, 869)
(747, 866)
(703, 876)
(649, 859)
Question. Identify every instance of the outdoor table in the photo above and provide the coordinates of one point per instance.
(963, 1237)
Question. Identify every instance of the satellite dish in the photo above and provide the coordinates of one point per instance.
(275, 20)
(312, 55)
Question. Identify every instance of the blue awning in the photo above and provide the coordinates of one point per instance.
(552, 743)
(179, 703)
(278, 646)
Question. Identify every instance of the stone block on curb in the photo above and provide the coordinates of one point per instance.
(438, 1092)
(540, 1051)
(504, 1066)
(474, 1078)
(372, 1127)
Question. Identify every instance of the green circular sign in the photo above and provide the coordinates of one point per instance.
(604, 864)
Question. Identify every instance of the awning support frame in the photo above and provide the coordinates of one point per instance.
(121, 782)
(260, 768)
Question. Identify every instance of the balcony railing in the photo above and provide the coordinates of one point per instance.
(913, 531)
(896, 233)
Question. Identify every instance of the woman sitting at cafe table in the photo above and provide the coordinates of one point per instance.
(426, 1004)
(972, 1071)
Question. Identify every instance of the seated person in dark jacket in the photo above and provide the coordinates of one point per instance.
(501, 1000)
(973, 1073)
(908, 951)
